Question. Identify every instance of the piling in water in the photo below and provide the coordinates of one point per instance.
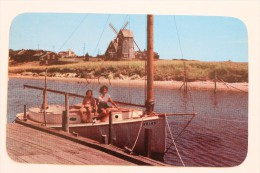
(215, 82)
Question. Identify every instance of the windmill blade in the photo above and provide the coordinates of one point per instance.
(113, 28)
(125, 25)
(137, 46)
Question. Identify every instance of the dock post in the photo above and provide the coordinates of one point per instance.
(44, 104)
(24, 113)
(65, 115)
(147, 142)
(65, 126)
(185, 83)
(110, 140)
(215, 82)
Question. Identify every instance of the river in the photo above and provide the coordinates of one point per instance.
(216, 137)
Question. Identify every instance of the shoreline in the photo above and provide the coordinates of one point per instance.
(197, 85)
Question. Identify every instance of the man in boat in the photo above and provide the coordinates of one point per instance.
(88, 108)
(103, 99)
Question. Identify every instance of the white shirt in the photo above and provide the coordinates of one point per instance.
(104, 99)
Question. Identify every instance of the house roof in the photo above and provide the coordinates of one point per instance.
(63, 52)
(38, 54)
(21, 52)
(47, 53)
(66, 53)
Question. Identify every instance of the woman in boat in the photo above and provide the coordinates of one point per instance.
(89, 107)
(104, 98)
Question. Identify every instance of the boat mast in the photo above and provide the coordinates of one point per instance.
(150, 66)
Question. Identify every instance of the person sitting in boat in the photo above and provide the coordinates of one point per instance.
(103, 99)
(88, 108)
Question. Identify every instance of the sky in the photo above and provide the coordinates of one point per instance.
(205, 38)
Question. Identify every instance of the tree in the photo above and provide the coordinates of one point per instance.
(87, 55)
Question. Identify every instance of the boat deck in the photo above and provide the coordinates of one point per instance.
(27, 143)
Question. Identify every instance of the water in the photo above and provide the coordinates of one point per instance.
(217, 136)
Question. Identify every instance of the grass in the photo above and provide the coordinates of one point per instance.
(164, 69)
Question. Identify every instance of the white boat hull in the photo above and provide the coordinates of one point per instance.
(125, 133)
(53, 115)
(125, 127)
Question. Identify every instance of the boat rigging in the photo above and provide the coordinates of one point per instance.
(125, 127)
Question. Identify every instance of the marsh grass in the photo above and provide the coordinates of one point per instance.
(164, 69)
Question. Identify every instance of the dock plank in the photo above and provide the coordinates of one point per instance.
(45, 158)
(16, 158)
(28, 145)
(22, 147)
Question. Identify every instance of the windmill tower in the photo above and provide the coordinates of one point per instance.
(122, 47)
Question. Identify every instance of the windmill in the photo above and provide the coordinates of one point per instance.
(124, 27)
(123, 44)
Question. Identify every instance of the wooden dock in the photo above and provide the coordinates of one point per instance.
(27, 143)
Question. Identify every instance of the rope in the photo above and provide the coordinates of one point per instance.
(101, 34)
(13, 120)
(88, 83)
(224, 83)
(138, 134)
(185, 127)
(145, 80)
(180, 132)
(73, 31)
(101, 65)
(125, 20)
(232, 86)
(76, 92)
(181, 86)
(102, 61)
(174, 141)
(193, 109)
(129, 94)
(178, 36)
(27, 81)
(223, 119)
(220, 119)
(84, 87)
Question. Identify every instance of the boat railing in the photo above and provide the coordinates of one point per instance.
(77, 95)
(65, 114)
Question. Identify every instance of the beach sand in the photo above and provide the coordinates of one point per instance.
(197, 85)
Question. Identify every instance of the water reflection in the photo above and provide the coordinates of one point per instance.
(215, 99)
(217, 136)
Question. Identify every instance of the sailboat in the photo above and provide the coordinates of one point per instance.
(125, 128)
